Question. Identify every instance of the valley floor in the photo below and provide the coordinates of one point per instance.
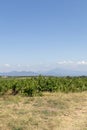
(53, 111)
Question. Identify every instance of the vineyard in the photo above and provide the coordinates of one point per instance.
(33, 86)
(43, 103)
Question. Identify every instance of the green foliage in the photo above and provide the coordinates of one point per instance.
(32, 86)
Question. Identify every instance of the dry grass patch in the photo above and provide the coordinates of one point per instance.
(53, 111)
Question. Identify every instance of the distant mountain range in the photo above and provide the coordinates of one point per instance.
(65, 72)
(18, 73)
(53, 72)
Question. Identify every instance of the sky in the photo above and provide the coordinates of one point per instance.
(43, 34)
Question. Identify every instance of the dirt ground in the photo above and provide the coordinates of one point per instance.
(53, 111)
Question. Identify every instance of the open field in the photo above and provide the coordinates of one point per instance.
(53, 111)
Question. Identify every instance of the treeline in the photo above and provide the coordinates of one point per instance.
(32, 86)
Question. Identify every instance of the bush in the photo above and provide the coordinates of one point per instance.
(33, 86)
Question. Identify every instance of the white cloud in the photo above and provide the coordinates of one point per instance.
(7, 65)
(65, 62)
(18, 65)
(82, 62)
(72, 62)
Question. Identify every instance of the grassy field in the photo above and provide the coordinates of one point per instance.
(53, 111)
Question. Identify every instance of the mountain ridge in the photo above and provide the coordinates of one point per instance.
(53, 72)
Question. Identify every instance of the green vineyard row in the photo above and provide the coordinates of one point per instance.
(32, 86)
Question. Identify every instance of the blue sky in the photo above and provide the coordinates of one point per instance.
(43, 34)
